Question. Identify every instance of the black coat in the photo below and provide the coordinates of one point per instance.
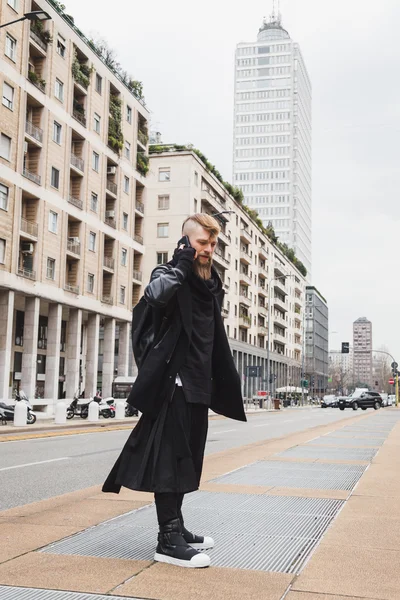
(163, 347)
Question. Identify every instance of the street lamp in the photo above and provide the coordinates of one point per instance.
(34, 15)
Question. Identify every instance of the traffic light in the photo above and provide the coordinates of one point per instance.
(345, 347)
(312, 382)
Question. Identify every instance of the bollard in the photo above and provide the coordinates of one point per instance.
(61, 413)
(93, 411)
(120, 409)
(20, 414)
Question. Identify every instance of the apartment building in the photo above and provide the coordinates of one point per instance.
(72, 188)
(316, 341)
(362, 357)
(250, 266)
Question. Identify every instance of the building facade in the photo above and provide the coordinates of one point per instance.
(250, 266)
(362, 345)
(71, 210)
(316, 341)
(272, 134)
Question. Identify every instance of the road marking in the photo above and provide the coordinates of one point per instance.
(223, 431)
(41, 462)
(263, 425)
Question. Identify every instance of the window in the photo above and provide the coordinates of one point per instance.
(13, 4)
(90, 283)
(11, 47)
(94, 202)
(4, 191)
(95, 162)
(162, 230)
(61, 47)
(8, 96)
(122, 294)
(51, 268)
(129, 114)
(164, 174)
(92, 241)
(196, 178)
(163, 202)
(96, 123)
(55, 178)
(162, 258)
(125, 221)
(59, 90)
(53, 218)
(5, 146)
(124, 256)
(2, 251)
(99, 83)
(126, 184)
(127, 150)
(57, 132)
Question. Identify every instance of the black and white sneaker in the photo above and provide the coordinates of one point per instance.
(174, 550)
(196, 541)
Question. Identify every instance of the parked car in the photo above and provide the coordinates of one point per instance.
(364, 401)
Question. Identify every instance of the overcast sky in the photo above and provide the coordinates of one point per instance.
(184, 54)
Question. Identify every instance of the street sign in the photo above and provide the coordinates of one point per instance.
(391, 381)
(345, 347)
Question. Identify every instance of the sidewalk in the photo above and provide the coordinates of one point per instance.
(308, 516)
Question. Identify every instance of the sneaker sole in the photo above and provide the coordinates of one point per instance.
(183, 563)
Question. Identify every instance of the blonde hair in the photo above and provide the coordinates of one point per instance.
(204, 220)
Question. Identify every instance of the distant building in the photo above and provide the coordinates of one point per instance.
(316, 341)
(362, 344)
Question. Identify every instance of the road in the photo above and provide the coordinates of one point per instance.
(36, 469)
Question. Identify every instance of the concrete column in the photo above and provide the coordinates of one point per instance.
(92, 356)
(74, 328)
(108, 356)
(123, 349)
(53, 352)
(6, 326)
(29, 356)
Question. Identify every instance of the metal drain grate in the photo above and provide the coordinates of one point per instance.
(296, 475)
(259, 532)
(329, 453)
(337, 441)
(17, 593)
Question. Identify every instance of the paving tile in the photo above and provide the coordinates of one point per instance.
(165, 582)
(367, 506)
(364, 531)
(125, 494)
(379, 481)
(350, 572)
(17, 539)
(70, 573)
(310, 596)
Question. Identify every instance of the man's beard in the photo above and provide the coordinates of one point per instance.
(202, 269)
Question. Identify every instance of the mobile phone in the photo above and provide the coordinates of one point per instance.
(185, 241)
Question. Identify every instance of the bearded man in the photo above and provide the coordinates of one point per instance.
(185, 367)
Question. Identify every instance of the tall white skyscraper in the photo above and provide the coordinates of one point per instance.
(272, 134)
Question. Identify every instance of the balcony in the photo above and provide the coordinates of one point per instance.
(278, 337)
(206, 196)
(224, 237)
(142, 138)
(74, 247)
(282, 304)
(111, 222)
(107, 299)
(245, 236)
(244, 298)
(138, 238)
(226, 287)
(34, 132)
(262, 290)
(263, 272)
(111, 187)
(27, 273)
(279, 270)
(32, 176)
(108, 263)
(37, 81)
(262, 252)
(137, 275)
(245, 257)
(280, 319)
(279, 284)
(75, 201)
(244, 278)
(77, 163)
(29, 228)
(74, 289)
(244, 321)
(79, 116)
(262, 330)
(221, 260)
(139, 207)
(34, 36)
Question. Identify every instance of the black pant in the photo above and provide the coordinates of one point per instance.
(168, 506)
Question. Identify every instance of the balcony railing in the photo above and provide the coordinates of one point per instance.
(262, 251)
(140, 206)
(111, 187)
(74, 289)
(34, 131)
(244, 321)
(226, 287)
(111, 222)
(32, 176)
(29, 227)
(75, 201)
(225, 237)
(225, 312)
(108, 262)
(245, 235)
(245, 277)
(222, 258)
(28, 273)
(79, 116)
(74, 247)
(262, 330)
(38, 41)
(77, 162)
(37, 81)
(143, 138)
(137, 275)
(107, 299)
(138, 238)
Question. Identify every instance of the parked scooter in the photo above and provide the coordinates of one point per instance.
(130, 411)
(79, 407)
(7, 410)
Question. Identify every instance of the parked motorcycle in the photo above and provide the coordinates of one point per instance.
(130, 411)
(79, 407)
(7, 410)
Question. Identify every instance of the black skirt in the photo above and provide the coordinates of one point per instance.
(164, 454)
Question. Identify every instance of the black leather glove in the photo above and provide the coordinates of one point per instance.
(186, 254)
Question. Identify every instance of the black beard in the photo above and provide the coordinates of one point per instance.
(202, 270)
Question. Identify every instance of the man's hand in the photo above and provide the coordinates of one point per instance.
(182, 246)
